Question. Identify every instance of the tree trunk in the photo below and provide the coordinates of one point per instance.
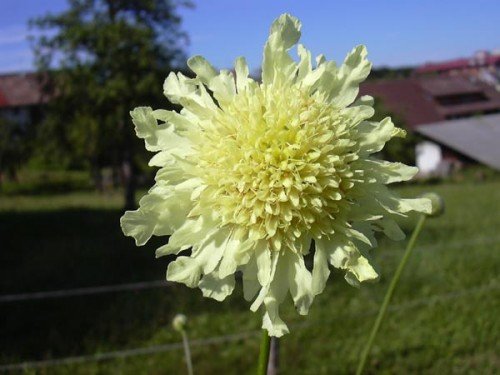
(96, 177)
(129, 182)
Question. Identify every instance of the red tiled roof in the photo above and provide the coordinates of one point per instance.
(405, 98)
(3, 101)
(444, 85)
(20, 90)
(459, 64)
(414, 99)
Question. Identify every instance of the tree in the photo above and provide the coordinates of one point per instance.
(105, 57)
(14, 146)
(398, 149)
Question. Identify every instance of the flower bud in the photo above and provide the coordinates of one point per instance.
(437, 204)
(179, 322)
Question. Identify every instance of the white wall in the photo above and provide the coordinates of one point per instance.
(428, 157)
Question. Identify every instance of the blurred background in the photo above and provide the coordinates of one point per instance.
(77, 297)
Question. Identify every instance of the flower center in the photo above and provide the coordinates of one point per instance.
(276, 164)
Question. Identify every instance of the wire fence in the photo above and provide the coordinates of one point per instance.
(19, 297)
(150, 350)
(84, 291)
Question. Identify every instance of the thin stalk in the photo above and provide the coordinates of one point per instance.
(187, 352)
(388, 296)
(264, 353)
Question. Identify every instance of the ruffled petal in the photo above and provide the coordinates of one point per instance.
(385, 172)
(372, 136)
(236, 254)
(191, 94)
(242, 72)
(184, 270)
(400, 206)
(223, 87)
(263, 259)
(300, 282)
(345, 255)
(192, 232)
(159, 213)
(139, 225)
(265, 289)
(353, 71)
(250, 283)
(277, 63)
(320, 272)
(156, 137)
(213, 286)
(203, 69)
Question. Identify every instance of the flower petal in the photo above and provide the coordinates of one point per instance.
(385, 172)
(203, 69)
(263, 259)
(217, 288)
(184, 270)
(223, 87)
(344, 255)
(353, 71)
(285, 32)
(242, 72)
(192, 232)
(250, 283)
(139, 225)
(237, 253)
(320, 272)
(374, 135)
(300, 281)
(190, 94)
(271, 321)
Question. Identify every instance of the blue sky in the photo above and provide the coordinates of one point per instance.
(395, 32)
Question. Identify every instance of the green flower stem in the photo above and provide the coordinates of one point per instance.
(187, 352)
(264, 353)
(387, 299)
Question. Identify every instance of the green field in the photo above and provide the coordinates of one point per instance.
(443, 320)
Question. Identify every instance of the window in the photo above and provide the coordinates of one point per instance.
(457, 99)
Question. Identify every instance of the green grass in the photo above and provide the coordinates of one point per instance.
(74, 240)
(48, 182)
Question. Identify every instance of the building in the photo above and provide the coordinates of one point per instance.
(21, 98)
(484, 67)
(422, 100)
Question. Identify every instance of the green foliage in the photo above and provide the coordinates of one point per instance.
(390, 73)
(99, 59)
(46, 182)
(15, 147)
(398, 149)
(70, 241)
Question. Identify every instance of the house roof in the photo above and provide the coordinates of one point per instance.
(20, 90)
(443, 85)
(3, 101)
(405, 98)
(457, 64)
(416, 99)
(477, 137)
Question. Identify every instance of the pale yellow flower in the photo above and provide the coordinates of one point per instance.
(251, 174)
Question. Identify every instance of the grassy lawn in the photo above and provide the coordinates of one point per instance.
(444, 318)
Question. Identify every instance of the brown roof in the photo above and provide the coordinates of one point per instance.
(405, 98)
(416, 99)
(443, 85)
(20, 90)
(459, 64)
